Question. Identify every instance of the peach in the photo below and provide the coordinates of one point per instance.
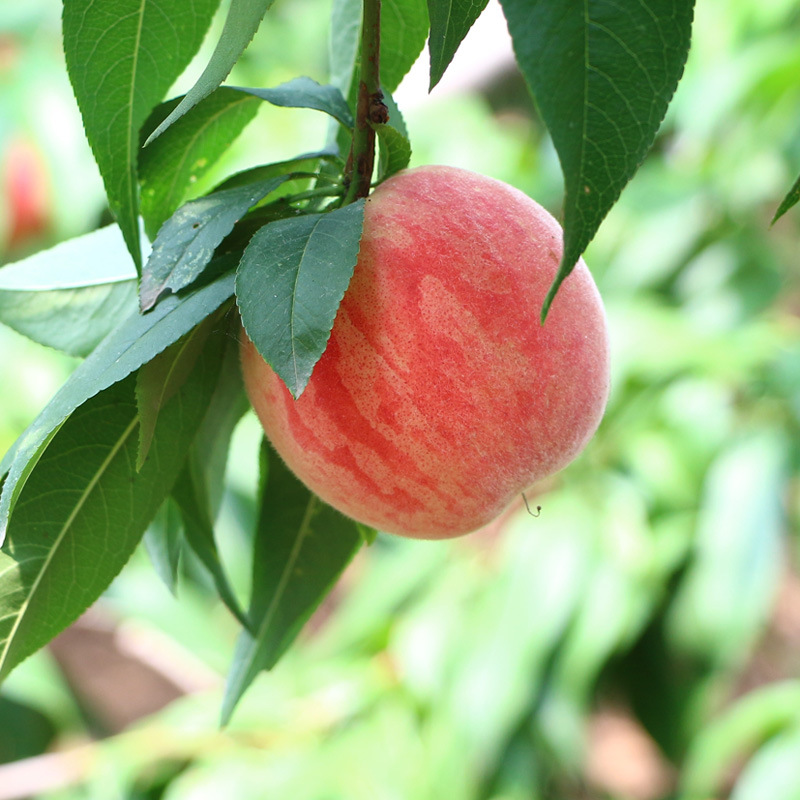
(441, 397)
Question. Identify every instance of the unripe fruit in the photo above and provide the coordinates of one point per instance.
(440, 396)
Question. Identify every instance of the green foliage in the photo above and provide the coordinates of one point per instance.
(241, 24)
(169, 166)
(301, 545)
(290, 282)
(58, 557)
(110, 51)
(49, 296)
(650, 576)
(450, 22)
(602, 76)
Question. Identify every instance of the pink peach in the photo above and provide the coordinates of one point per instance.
(441, 397)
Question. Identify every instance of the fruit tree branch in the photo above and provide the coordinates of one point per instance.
(370, 108)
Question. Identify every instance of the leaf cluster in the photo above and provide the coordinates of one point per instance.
(135, 443)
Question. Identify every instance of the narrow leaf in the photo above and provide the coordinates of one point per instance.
(199, 531)
(241, 24)
(173, 163)
(450, 23)
(159, 380)
(309, 162)
(301, 548)
(404, 29)
(186, 243)
(122, 56)
(306, 93)
(85, 507)
(395, 151)
(602, 74)
(791, 200)
(162, 541)
(198, 490)
(134, 342)
(290, 282)
(70, 296)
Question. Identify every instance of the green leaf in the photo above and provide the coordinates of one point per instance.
(726, 596)
(395, 115)
(133, 343)
(163, 540)
(602, 75)
(306, 93)
(122, 56)
(159, 380)
(198, 525)
(308, 162)
(789, 201)
(301, 548)
(290, 282)
(85, 507)
(70, 296)
(228, 404)
(450, 23)
(404, 29)
(199, 487)
(186, 243)
(720, 746)
(394, 153)
(241, 24)
(774, 771)
(173, 163)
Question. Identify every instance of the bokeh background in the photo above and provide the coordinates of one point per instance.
(640, 639)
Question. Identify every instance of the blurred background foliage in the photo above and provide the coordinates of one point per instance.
(640, 639)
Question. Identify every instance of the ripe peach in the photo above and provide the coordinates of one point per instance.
(440, 396)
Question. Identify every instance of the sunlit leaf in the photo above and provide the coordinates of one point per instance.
(122, 56)
(241, 24)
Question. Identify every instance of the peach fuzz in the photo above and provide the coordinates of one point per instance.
(440, 396)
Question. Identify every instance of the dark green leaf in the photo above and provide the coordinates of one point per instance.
(134, 342)
(450, 23)
(70, 296)
(305, 93)
(241, 24)
(789, 201)
(404, 29)
(198, 524)
(122, 56)
(186, 242)
(395, 151)
(85, 507)
(199, 487)
(308, 162)
(173, 163)
(290, 282)
(163, 540)
(602, 74)
(301, 548)
(228, 404)
(159, 380)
